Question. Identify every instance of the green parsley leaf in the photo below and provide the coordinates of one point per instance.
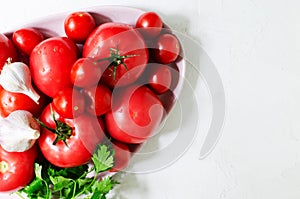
(71, 183)
(60, 182)
(103, 159)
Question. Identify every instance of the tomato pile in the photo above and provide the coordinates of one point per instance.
(107, 82)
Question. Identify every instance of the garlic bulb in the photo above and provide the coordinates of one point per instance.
(15, 77)
(18, 131)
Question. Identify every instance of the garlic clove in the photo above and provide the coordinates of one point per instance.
(15, 77)
(18, 131)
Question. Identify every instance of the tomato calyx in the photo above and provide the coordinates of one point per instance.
(62, 131)
(3, 167)
(115, 60)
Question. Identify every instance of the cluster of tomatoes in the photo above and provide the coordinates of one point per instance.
(97, 83)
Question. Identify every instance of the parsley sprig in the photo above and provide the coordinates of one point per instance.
(70, 183)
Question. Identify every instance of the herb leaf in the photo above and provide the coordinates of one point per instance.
(71, 183)
(103, 159)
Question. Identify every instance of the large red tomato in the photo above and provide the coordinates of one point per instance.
(16, 168)
(50, 64)
(136, 113)
(74, 141)
(7, 50)
(124, 48)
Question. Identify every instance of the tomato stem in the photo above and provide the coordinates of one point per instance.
(62, 130)
(116, 60)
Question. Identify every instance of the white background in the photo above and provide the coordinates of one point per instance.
(255, 46)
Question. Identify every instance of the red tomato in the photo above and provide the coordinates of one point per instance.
(98, 100)
(81, 135)
(123, 47)
(26, 39)
(69, 103)
(159, 77)
(10, 102)
(149, 24)
(16, 168)
(166, 48)
(86, 73)
(7, 50)
(50, 64)
(136, 113)
(79, 25)
(122, 156)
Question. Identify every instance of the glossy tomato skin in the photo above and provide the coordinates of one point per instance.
(17, 168)
(86, 134)
(7, 50)
(166, 48)
(79, 25)
(85, 72)
(50, 64)
(69, 103)
(124, 40)
(10, 101)
(122, 156)
(149, 24)
(159, 77)
(136, 113)
(98, 100)
(26, 39)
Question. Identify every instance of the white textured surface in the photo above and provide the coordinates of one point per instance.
(255, 46)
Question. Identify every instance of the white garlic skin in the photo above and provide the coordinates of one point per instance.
(18, 131)
(15, 77)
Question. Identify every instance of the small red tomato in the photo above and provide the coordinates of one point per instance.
(16, 168)
(86, 73)
(7, 50)
(26, 39)
(149, 24)
(159, 77)
(10, 101)
(69, 103)
(122, 156)
(166, 48)
(79, 25)
(98, 100)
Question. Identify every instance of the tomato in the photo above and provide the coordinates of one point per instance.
(76, 143)
(79, 25)
(98, 100)
(159, 77)
(10, 102)
(166, 48)
(7, 50)
(69, 103)
(122, 156)
(50, 64)
(136, 113)
(124, 48)
(16, 168)
(26, 39)
(149, 24)
(85, 72)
